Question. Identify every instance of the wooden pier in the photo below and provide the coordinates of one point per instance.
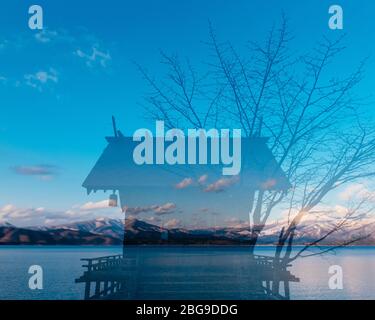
(105, 275)
(116, 277)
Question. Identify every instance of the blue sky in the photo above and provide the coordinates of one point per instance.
(60, 86)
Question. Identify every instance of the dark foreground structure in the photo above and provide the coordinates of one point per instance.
(116, 277)
(184, 275)
(135, 186)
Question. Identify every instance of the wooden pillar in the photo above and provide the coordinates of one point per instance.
(105, 287)
(286, 289)
(268, 285)
(87, 290)
(97, 289)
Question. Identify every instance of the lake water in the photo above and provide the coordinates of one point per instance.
(213, 271)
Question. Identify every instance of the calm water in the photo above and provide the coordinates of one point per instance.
(62, 265)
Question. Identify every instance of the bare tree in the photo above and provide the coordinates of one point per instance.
(312, 118)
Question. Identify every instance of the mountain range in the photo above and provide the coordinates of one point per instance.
(103, 231)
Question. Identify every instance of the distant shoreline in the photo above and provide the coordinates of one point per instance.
(110, 232)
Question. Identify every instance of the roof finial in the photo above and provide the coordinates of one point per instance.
(114, 126)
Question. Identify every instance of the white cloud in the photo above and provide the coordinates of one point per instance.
(184, 183)
(41, 78)
(202, 179)
(136, 210)
(328, 216)
(45, 35)
(221, 184)
(159, 210)
(43, 171)
(234, 222)
(12, 213)
(95, 57)
(152, 219)
(356, 191)
(167, 208)
(38, 216)
(104, 204)
(173, 223)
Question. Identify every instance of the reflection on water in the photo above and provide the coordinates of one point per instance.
(186, 274)
(62, 265)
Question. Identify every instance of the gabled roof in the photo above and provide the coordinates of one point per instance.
(116, 169)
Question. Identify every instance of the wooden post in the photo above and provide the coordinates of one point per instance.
(105, 287)
(97, 289)
(286, 289)
(268, 285)
(87, 290)
(89, 267)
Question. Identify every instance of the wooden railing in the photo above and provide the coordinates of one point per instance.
(114, 261)
(103, 286)
(278, 263)
(103, 263)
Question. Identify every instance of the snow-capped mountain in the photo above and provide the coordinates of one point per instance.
(6, 224)
(104, 226)
(111, 231)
